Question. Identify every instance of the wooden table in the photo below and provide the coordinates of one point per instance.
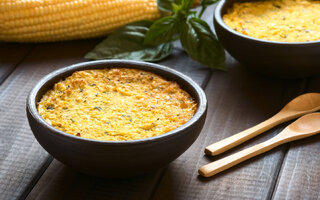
(238, 99)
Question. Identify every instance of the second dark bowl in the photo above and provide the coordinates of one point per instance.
(281, 59)
(116, 158)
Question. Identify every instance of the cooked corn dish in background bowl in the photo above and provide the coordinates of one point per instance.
(278, 38)
(122, 144)
(276, 20)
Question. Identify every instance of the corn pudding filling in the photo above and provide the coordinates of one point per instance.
(276, 20)
(116, 104)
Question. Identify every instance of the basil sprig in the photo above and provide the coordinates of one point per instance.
(152, 41)
(127, 42)
(201, 44)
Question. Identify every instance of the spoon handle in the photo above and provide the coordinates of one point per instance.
(234, 159)
(235, 140)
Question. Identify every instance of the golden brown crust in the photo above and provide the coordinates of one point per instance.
(116, 104)
(276, 20)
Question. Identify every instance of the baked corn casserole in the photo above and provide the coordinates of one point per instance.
(276, 20)
(116, 104)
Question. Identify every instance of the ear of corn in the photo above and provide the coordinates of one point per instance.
(56, 20)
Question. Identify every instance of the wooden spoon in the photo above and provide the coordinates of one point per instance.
(303, 104)
(305, 126)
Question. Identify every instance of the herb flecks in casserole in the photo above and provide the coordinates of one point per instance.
(276, 20)
(116, 104)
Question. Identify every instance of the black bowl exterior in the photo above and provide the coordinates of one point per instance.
(119, 158)
(273, 58)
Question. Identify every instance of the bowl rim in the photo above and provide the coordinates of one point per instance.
(32, 108)
(219, 20)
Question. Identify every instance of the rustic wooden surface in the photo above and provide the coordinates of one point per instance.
(300, 173)
(11, 56)
(237, 100)
(22, 158)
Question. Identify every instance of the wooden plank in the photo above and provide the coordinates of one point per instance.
(300, 174)
(237, 100)
(61, 182)
(21, 157)
(11, 55)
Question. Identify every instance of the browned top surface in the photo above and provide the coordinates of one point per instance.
(237, 99)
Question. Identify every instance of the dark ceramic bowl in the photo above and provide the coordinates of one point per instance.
(116, 158)
(296, 59)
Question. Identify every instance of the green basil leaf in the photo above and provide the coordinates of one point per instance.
(186, 5)
(165, 5)
(162, 31)
(127, 42)
(200, 43)
(208, 2)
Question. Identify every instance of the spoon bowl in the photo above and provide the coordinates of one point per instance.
(306, 125)
(308, 102)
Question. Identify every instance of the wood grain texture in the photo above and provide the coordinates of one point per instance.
(11, 55)
(300, 173)
(63, 183)
(237, 100)
(21, 157)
